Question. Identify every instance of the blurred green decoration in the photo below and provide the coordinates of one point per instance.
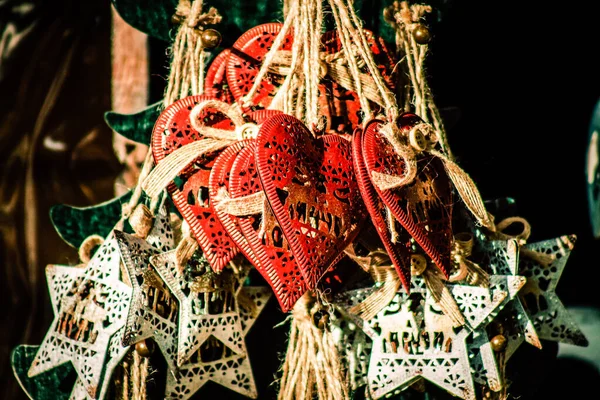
(136, 127)
(74, 224)
(55, 384)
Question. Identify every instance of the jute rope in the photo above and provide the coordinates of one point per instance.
(404, 18)
(467, 270)
(312, 367)
(186, 75)
(214, 139)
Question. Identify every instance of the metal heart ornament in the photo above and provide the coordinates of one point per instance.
(311, 188)
(215, 83)
(423, 203)
(189, 190)
(246, 58)
(270, 252)
(219, 184)
(397, 252)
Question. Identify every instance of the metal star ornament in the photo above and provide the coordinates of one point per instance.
(550, 317)
(413, 339)
(502, 256)
(153, 311)
(90, 307)
(211, 347)
(481, 354)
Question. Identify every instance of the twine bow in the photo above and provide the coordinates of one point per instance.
(387, 279)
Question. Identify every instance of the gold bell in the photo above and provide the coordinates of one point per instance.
(421, 34)
(211, 38)
(498, 343)
(145, 348)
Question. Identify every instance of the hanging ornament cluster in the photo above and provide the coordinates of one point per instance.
(297, 149)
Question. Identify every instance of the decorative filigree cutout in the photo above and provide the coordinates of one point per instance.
(190, 190)
(311, 188)
(90, 306)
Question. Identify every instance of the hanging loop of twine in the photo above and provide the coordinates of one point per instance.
(186, 75)
(190, 14)
(521, 237)
(86, 248)
(404, 19)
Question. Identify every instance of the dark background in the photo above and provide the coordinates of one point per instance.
(522, 74)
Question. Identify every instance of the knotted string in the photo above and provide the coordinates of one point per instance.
(312, 367)
(404, 19)
(186, 75)
(384, 274)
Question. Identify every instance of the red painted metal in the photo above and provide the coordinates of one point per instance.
(311, 188)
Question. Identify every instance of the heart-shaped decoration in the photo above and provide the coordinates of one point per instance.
(220, 180)
(215, 82)
(246, 57)
(190, 190)
(311, 188)
(397, 252)
(271, 252)
(424, 206)
(343, 107)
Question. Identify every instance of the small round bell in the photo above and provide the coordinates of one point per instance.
(421, 34)
(498, 343)
(211, 38)
(145, 348)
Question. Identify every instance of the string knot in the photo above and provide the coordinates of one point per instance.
(190, 14)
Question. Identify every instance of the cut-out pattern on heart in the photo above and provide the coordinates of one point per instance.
(273, 256)
(215, 83)
(311, 187)
(424, 206)
(220, 178)
(398, 252)
(246, 58)
(341, 104)
(189, 191)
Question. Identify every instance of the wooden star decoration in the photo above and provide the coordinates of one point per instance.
(550, 318)
(90, 307)
(503, 258)
(201, 334)
(413, 339)
(153, 311)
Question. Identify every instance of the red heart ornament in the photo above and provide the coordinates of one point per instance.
(190, 190)
(215, 83)
(311, 188)
(220, 179)
(273, 256)
(246, 58)
(424, 206)
(398, 252)
(343, 107)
